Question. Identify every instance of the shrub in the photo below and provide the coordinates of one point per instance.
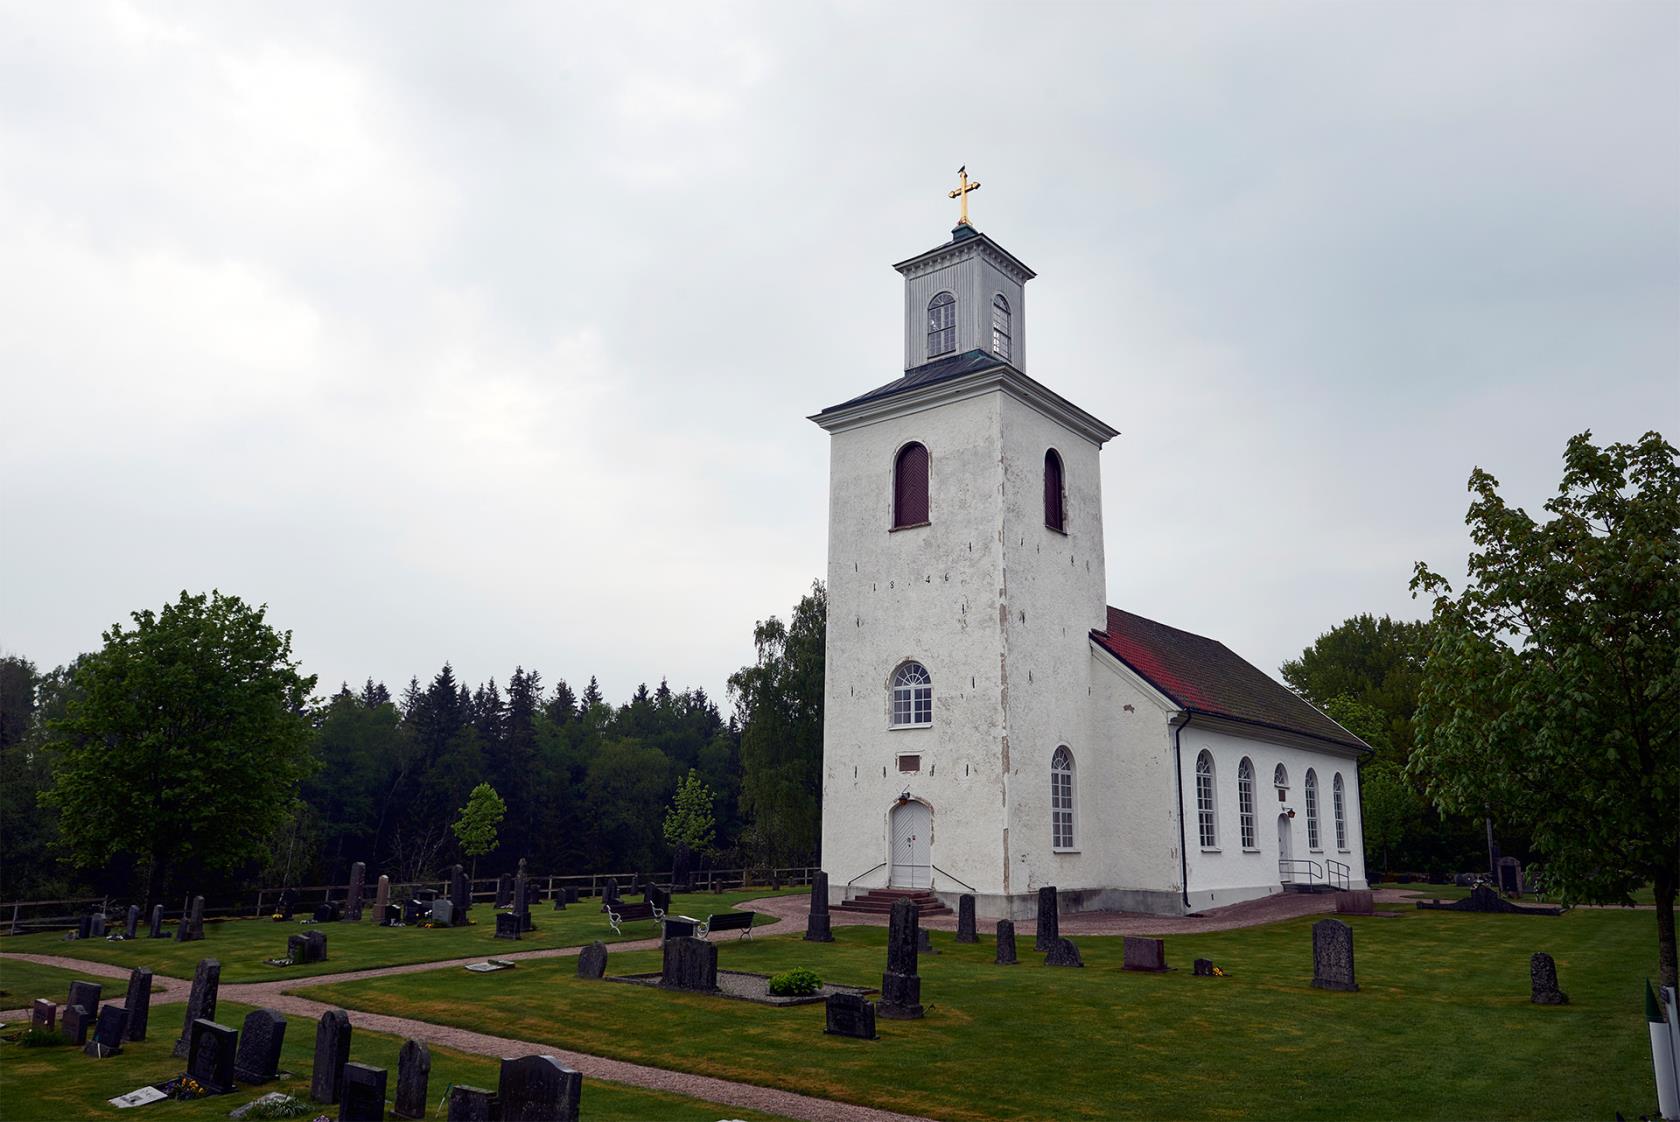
(795, 983)
(40, 1038)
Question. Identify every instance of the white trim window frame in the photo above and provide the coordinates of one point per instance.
(912, 697)
(1245, 801)
(1313, 839)
(1207, 807)
(1001, 326)
(1338, 796)
(1063, 836)
(942, 325)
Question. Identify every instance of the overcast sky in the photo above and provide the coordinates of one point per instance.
(487, 333)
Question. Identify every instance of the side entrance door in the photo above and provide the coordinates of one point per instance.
(911, 829)
(1286, 850)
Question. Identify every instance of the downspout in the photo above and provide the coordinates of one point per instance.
(1178, 779)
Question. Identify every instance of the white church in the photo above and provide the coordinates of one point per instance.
(991, 725)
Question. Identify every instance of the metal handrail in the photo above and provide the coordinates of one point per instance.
(860, 876)
(964, 883)
(1340, 874)
(1288, 868)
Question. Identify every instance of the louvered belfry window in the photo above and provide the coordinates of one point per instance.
(910, 486)
(1054, 516)
(1000, 326)
(942, 324)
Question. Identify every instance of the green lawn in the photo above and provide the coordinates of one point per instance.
(22, 982)
(241, 945)
(61, 1083)
(1442, 1028)
(1646, 895)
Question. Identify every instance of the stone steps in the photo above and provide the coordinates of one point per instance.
(880, 901)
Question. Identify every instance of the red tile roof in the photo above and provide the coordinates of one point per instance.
(1205, 676)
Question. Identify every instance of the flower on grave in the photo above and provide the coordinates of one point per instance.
(1219, 972)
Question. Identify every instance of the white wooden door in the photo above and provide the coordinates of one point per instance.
(1286, 850)
(911, 827)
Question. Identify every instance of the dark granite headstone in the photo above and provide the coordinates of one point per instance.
(592, 960)
(332, 1052)
(1006, 942)
(74, 1023)
(1144, 954)
(504, 890)
(965, 919)
(1049, 920)
(131, 928)
(460, 897)
(361, 1094)
(901, 987)
(522, 899)
(414, 1071)
(109, 1032)
(308, 947)
(415, 911)
(84, 927)
(260, 1039)
(539, 1089)
(674, 927)
(609, 894)
(690, 964)
(353, 896)
(427, 895)
(1510, 876)
(201, 1000)
(850, 1015)
(1543, 982)
(85, 994)
(157, 931)
(43, 1015)
(924, 941)
(472, 1104)
(1203, 968)
(196, 925)
(328, 912)
(658, 897)
(571, 894)
(389, 916)
(1333, 956)
(138, 1002)
(210, 1055)
(507, 925)
(286, 906)
(817, 929)
(183, 930)
(1062, 952)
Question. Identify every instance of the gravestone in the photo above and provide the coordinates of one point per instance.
(196, 927)
(658, 897)
(817, 929)
(98, 925)
(353, 897)
(1357, 902)
(85, 994)
(560, 900)
(390, 916)
(332, 1052)
(74, 1023)
(682, 869)
(675, 927)
(609, 895)
(415, 911)
(472, 1104)
(304, 948)
(1510, 876)
(260, 1039)
(690, 964)
(460, 897)
(84, 927)
(138, 1001)
(210, 1055)
(965, 919)
(901, 987)
(1333, 956)
(362, 1094)
(1049, 920)
(538, 1089)
(522, 899)
(286, 906)
(1543, 982)
(43, 1015)
(1006, 942)
(1062, 952)
(507, 925)
(201, 1001)
(427, 895)
(850, 1015)
(108, 1032)
(1144, 954)
(1203, 968)
(1483, 898)
(131, 928)
(414, 1071)
(157, 923)
(183, 930)
(443, 911)
(924, 941)
(328, 911)
(504, 890)
(592, 960)
(382, 897)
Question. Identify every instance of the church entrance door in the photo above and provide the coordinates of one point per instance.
(1286, 849)
(911, 830)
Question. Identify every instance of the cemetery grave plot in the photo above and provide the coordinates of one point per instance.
(23, 982)
(243, 945)
(1432, 986)
(61, 1083)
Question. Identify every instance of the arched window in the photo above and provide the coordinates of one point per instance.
(942, 324)
(910, 486)
(1054, 515)
(1312, 809)
(1280, 780)
(912, 696)
(1000, 326)
(1206, 823)
(1061, 799)
(1245, 801)
(1341, 811)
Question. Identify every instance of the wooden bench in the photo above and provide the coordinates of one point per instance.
(728, 921)
(618, 912)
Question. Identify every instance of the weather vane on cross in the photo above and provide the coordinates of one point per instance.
(963, 188)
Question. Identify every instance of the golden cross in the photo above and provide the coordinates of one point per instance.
(962, 193)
